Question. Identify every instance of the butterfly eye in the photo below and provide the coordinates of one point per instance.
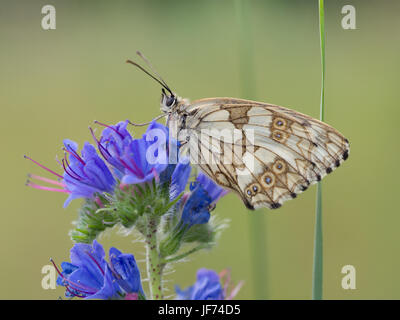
(170, 101)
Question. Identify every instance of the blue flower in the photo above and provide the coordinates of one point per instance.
(196, 209)
(207, 287)
(214, 191)
(85, 175)
(89, 275)
(178, 170)
(112, 144)
(145, 159)
(157, 130)
(132, 161)
(126, 271)
(204, 194)
(135, 160)
(179, 178)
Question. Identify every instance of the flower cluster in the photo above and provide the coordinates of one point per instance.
(209, 286)
(90, 276)
(134, 183)
(87, 174)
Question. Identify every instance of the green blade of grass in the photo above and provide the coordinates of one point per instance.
(256, 220)
(318, 250)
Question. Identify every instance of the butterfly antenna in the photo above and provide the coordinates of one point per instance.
(149, 74)
(153, 69)
(146, 123)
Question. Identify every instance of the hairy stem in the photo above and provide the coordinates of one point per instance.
(153, 260)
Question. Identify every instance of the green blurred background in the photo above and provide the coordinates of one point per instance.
(54, 83)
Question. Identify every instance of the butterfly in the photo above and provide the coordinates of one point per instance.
(273, 154)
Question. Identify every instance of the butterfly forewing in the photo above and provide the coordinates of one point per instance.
(265, 153)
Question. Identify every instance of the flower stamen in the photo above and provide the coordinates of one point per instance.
(95, 261)
(74, 154)
(43, 167)
(71, 284)
(110, 127)
(57, 183)
(36, 186)
(77, 177)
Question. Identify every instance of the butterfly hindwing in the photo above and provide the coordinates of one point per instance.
(277, 154)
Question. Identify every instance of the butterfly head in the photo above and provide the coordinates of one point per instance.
(168, 101)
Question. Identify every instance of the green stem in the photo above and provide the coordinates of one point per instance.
(322, 43)
(185, 254)
(154, 264)
(256, 220)
(317, 286)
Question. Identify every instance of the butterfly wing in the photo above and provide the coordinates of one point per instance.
(277, 154)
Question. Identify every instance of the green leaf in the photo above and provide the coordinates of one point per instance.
(92, 220)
